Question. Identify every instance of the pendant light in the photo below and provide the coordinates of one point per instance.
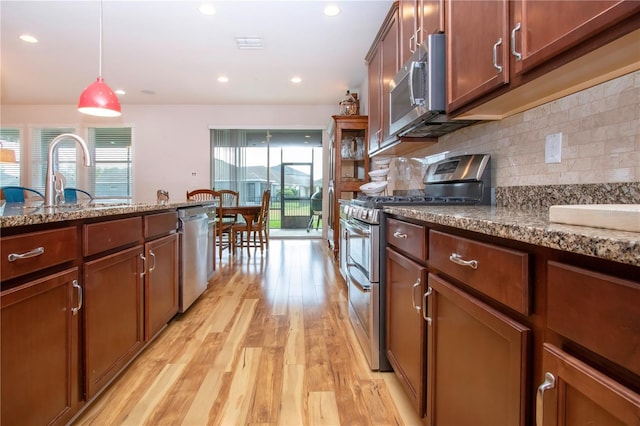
(98, 99)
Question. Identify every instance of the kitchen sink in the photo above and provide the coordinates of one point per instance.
(623, 217)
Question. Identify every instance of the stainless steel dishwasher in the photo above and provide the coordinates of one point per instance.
(194, 236)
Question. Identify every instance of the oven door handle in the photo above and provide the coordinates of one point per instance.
(357, 230)
(353, 279)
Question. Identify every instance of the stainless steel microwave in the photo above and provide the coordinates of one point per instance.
(417, 94)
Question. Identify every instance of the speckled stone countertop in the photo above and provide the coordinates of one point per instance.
(18, 214)
(533, 227)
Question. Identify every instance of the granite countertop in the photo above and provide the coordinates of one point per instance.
(19, 214)
(533, 227)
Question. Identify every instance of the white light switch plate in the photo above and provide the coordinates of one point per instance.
(553, 148)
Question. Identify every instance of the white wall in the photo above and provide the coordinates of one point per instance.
(171, 142)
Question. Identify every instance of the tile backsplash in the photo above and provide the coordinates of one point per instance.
(600, 129)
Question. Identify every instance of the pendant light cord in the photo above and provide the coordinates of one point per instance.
(100, 50)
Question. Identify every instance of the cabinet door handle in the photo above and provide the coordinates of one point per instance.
(144, 265)
(411, 49)
(400, 235)
(78, 287)
(153, 256)
(418, 31)
(424, 305)
(457, 259)
(514, 52)
(495, 55)
(413, 294)
(549, 383)
(31, 253)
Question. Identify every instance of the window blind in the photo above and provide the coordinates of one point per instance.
(10, 172)
(111, 176)
(65, 160)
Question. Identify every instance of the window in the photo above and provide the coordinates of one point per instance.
(10, 163)
(111, 175)
(65, 161)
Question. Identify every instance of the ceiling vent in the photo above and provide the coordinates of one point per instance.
(249, 42)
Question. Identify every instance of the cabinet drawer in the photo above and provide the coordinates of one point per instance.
(102, 236)
(159, 224)
(598, 311)
(408, 237)
(500, 273)
(40, 249)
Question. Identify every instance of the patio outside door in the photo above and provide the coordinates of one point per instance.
(296, 187)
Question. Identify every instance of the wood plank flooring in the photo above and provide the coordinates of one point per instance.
(268, 343)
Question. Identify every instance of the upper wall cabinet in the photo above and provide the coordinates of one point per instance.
(508, 56)
(383, 63)
(418, 19)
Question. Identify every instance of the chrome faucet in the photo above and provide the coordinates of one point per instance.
(49, 189)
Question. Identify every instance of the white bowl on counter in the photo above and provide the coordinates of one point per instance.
(379, 175)
(374, 188)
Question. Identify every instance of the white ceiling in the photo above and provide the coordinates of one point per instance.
(171, 49)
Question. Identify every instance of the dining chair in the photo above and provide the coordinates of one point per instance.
(18, 194)
(71, 195)
(201, 195)
(256, 232)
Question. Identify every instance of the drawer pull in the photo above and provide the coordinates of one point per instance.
(400, 235)
(31, 253)
(75, 310)
(413, 293)
(424, 306)
(549, 383)
(457, 259)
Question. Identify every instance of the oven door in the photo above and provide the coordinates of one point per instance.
(364, 297)
(361, 252)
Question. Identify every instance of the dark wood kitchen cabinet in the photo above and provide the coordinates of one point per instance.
(348, 167)
(418, 19)
(383, 62)
(405, 323)
(478, 361)
(591, 317)
(575, 394)
(494, 47)
(161, 275)
(40, 350)
(114, 301)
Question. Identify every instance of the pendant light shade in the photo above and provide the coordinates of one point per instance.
(98, 99)
(7, 155)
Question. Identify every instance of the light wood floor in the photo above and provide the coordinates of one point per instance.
(269, 343)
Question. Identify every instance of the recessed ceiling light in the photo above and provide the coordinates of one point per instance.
(120, 92)
(207, 9)
(249, 42)
(296, 80)
(28, 38)
(148, 92)
(331, 10)
(223, 79)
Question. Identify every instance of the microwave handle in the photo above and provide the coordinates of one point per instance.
(415, 101)
(412, 98)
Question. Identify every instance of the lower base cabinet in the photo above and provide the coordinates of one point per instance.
(114, 321)
(477, 361)
(406, 338)
(40, 372)
(161, 284)
(574, 394)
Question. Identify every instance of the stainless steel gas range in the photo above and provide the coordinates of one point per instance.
(460, 180)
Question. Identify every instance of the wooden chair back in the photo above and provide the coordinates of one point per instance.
(201, 195)
(264, 208)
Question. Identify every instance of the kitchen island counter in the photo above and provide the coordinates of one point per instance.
(19, 214)
(530, 226)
